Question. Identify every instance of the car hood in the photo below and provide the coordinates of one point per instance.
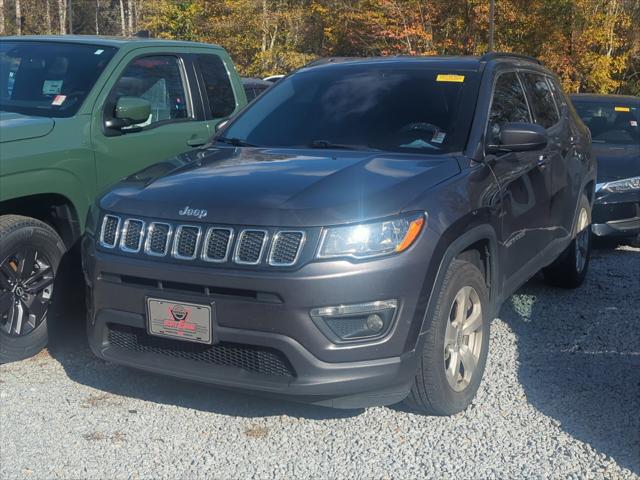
(14, 126)
(279, 187)
(617, 161)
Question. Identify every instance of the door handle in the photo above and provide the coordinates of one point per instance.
(543, 160)
(197, 142)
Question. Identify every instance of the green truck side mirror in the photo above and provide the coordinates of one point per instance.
(132, 110)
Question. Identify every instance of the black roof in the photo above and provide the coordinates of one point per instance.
(461, 62)
(600, 97)
(255, 81)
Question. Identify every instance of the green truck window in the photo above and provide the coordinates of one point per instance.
(157, 79)
(222, 102)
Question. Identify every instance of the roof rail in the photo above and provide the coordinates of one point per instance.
(323, 60)
(493, 55)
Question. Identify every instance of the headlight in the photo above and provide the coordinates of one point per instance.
(619, 186)
(366, 240)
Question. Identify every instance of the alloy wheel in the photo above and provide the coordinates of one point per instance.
(26, 286)
(582, 241)
(463, 338)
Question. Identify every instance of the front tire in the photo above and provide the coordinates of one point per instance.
(30, 253)
(456, 344)
(570, 268)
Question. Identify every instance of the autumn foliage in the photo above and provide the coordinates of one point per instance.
(593, 45)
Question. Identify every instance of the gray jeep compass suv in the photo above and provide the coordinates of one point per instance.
(347, 239)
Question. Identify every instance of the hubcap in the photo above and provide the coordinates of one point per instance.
(26, 285)
(582, 241)
(463, 338)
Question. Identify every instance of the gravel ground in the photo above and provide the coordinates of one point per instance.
(560, 398)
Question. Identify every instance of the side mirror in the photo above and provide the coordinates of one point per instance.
(520, 137)
(221, 124)
(130, 111)
(133, 109)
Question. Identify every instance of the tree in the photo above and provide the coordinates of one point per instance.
(1, 17)
(18, 17)
(62, 16)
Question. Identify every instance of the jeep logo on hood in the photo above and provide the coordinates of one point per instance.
(193, 212)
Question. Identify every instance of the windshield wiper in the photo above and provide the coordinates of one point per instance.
(236, 142)
(327, 144)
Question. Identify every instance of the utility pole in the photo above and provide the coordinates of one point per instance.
(491, 23)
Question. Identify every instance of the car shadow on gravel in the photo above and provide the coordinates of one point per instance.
(68, 345)
(579, 354)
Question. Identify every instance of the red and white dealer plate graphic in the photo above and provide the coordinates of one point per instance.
(186, 321)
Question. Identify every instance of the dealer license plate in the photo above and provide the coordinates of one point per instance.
(182, 320)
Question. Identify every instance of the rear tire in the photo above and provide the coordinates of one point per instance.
(30, 253)
(456, 344)
(570, 268)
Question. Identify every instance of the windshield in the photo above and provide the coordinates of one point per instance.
(614, 122)
(48, 79)
(386, 107)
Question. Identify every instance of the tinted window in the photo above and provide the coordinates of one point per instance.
(614, 122)
(542, 104)
(222, 102)
(157, 79)
(250, 92)
(48, 79)
(387, 107)
(509, 105)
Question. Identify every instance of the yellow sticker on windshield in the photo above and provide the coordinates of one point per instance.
(442, 77)
(622, 109)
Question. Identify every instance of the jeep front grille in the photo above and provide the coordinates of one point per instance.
(206, 243)
(158, 238)
(286, 248)
(132, 234)
(185, 245)
(110, 231)
(250, 246)
(217, 244)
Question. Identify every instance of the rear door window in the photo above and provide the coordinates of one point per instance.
(543, 106)
(158, 79)
(509, 105)
(222, 101)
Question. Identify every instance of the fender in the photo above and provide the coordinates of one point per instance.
(482, 232)
(47, 181)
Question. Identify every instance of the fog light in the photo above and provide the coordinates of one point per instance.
(375, 322)
(356, 321)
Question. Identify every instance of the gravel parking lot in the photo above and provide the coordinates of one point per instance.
(560, 398)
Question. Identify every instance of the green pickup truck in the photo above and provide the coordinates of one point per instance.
(77, 114)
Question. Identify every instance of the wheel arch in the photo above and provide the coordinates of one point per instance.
(480, 238)
(54, 209)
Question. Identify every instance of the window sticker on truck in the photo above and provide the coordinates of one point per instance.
(52, 87)
(58, 100)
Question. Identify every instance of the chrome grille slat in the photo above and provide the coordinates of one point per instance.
(250, 246)
(110, 231)
(207, 243)
(132, 235)
(158, 239)
(286, 248)
(186, 242)
(217, 244)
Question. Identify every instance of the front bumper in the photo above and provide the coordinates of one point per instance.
(262, 318)
(616, 214)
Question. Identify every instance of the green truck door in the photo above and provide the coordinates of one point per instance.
(177, 122)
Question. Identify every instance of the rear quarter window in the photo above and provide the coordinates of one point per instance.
(541, 99)
(222, 101)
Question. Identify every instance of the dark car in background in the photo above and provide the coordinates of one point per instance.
(254, 87)
(347, 238)
(614, 121)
